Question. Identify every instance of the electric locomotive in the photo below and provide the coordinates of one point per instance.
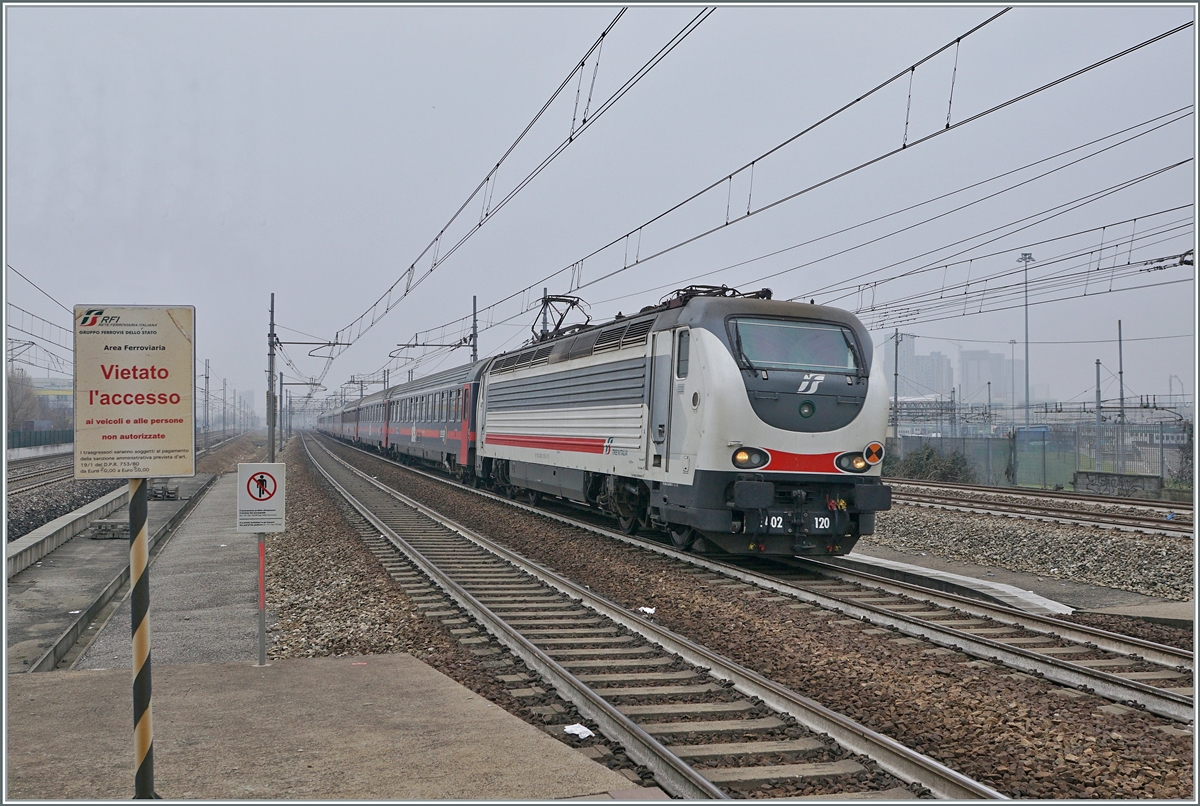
(733, 422)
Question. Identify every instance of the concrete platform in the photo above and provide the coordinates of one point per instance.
(1172, 614)
(380, 727)
(1030, 592)
(371, 728)
(203, 594)
(45, 600)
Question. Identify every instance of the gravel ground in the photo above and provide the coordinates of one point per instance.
(1083, 504)
(1152, 565)
(330, 596)
(1016, 733)
(1135, 627)
(27, 511)
(251, 447)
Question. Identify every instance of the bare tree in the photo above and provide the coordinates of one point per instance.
(22, 403)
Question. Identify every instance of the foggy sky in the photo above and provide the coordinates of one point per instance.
(211, 156)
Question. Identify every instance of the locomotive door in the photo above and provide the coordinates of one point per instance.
(657, 456)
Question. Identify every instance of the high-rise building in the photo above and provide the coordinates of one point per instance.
(977, 367)
(920, 375)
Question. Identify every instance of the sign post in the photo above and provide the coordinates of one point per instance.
(260, 508)
(135, 392)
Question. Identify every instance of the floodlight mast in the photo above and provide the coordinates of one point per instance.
(1026, 258)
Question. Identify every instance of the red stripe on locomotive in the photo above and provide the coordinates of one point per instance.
(573, 444)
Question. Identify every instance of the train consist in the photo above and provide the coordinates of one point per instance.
(731, 421)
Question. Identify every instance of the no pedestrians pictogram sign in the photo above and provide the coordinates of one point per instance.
(261, 486)
(261, 497)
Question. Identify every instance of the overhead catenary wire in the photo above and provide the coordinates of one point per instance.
(1180, 114)
(490, 310)
(349, 334)
(39, 288)
(1026, 223)
(1010, 272)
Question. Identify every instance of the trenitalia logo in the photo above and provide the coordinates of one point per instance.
(809, 378)
(91, 317)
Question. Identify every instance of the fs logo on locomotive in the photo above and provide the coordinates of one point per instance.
(809, 378)
(95, 316)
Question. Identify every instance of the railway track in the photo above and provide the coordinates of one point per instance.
(1182, 507)
(1153, 519)
(22, 480)
(703, 725)
(1123, 669)
(25, 480)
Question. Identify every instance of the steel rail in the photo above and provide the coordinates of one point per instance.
(895, 758)
(62, 474)
(1164, 703)
(1080, 633)
(669, 769)
(1104, 520)
(16, 484)
(1086, 498)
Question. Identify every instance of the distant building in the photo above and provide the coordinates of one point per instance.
(58, 394)
(920, 375)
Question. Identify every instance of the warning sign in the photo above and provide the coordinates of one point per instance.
(261, 497)
(135, 391)
(261, 486)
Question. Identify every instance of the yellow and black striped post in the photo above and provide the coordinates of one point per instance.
(139, 582)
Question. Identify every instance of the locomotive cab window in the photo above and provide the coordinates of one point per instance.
(681, 354)
(780, 344)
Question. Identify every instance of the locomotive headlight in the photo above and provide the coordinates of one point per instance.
(808, 409)
(852, 463)
(749, 458)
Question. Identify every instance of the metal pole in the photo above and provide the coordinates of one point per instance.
(474, 332)
(1012, 381)
(1121, 419)
(545, 313)
(139, 599)
(262, 600)
(1026, 258)
(224, 410)
(896, 387)
(271, 386)
(1044, 434)
(1162, 466)
(1097, 445)
(280, 420)
(206, 404)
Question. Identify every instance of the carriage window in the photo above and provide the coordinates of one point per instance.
(681, 361)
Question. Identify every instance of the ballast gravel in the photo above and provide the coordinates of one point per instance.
(1021, 735)
(29, 510)
(329, 596)
(1153, 565)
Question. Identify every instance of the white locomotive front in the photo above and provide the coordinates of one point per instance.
(731, 421)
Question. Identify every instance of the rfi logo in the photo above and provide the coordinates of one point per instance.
(95, 316)
(809, 378)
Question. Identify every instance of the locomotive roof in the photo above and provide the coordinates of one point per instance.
(708, 312)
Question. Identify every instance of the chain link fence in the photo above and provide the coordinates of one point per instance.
(1140, 460)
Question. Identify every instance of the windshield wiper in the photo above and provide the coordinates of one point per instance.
(738, 335)
(859, 370)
